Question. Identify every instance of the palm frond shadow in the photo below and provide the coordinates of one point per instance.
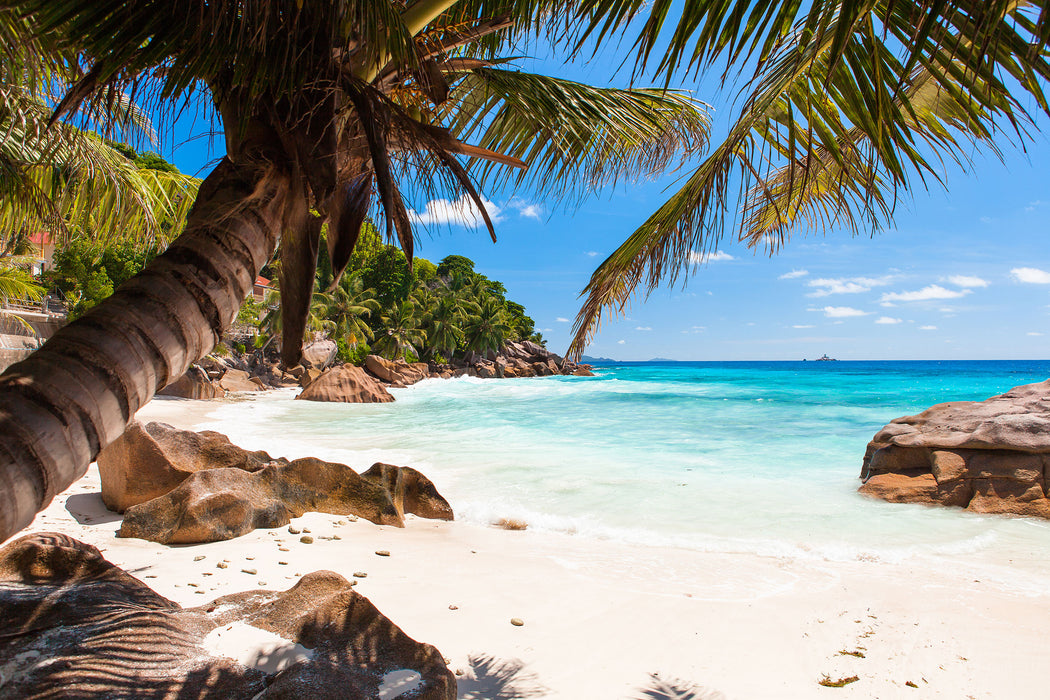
(499, 679)
(660, 688)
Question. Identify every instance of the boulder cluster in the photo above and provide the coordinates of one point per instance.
(180, 487)
(75, 625)
(322, 379)
(990, 456)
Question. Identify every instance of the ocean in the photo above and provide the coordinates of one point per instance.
(750, 457)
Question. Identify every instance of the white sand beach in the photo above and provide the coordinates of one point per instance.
(610, 620)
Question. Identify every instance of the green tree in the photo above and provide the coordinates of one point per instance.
(451, 264)
(387, 272)
(399, 333)
(486, 328)
(87, 272)
(348, 307)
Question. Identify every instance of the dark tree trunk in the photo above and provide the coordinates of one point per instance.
(76, 394)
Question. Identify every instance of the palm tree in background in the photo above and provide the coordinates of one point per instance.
(486, 327)
(443, 323)
(326, 105)
(400, 332)
(349, 306)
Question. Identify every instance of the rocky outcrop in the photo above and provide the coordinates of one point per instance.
(76, 626)
(410, 491)
(398, 373)
(194, 384)
(988, 457)
(319, 354)
(152, 459)
(347, 384)
(220, 504)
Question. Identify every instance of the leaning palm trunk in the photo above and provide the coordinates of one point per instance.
(76, 394)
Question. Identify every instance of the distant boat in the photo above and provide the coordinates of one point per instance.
(825, 358)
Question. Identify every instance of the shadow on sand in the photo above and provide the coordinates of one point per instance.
(497, 679)
(89, 509)
(659, 688)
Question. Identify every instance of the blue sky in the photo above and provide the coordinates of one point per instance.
(963, 273)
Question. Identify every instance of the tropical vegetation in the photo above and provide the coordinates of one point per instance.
(328, 107)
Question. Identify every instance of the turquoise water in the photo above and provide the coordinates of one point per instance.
(759, 457)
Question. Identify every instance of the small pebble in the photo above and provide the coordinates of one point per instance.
(250, 571)
(198, 558)
(360, 574)
(221, 565)
(283, 563)
(150, 576)
(207, 573)
(382, 553)
(459, 672)
(262, 583)
(283, 549)
(293, 530)
(306, 529)
(250, 558)
(199, 591)
(192, 584)
(336, 537)
(453, 607)
(517, 621)
(353, 518)
(306, 539)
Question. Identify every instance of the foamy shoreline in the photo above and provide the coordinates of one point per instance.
(601, 617)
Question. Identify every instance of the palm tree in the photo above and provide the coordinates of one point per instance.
(399, 331)
(326, 103)
(443, 325)
(486, 328)
(845, 111)
(348, 306)
(59, 178)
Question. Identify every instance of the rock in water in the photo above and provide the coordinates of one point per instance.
(150, 460)
(988, 457)
(75, 622)
(319, 354)
(399, 373)
(347, 384)
(220, 504)
(410, 490)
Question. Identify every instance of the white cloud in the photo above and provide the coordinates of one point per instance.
(643, 328)
(1030, 275)
(703, 258)
(620, 342)
(591, 253)
(927, 328)
(1034, 333)
(928, 293)
(525, 208)
(967, 281)
(1032, 205)
(846, 285)
(461, 212)
(842, 312)
(804, 326)
(985, 219)
(887, 321)
(562, 319)
(794, 274)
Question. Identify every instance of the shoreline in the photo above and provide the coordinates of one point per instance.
(601, 617)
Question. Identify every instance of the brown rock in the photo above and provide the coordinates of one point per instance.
(320, 354)
(308, 377)
(150, 460)
(988, 456)
(348, 384)
(238, 380)
(194, 384)
(399, 373)
(411, 491)
(105, 634)
(220, 504)
(582, 372)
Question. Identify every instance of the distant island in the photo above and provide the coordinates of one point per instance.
(824, 358)
(588, 360)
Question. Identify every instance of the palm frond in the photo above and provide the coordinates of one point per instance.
(574, 137)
